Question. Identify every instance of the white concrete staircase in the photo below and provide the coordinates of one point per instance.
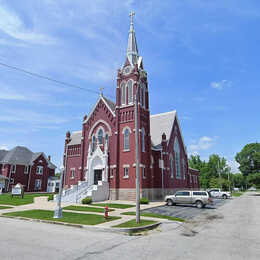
(76, 193)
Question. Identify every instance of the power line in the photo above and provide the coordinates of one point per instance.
(48, 78)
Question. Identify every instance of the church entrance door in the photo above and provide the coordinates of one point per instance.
(97, 176)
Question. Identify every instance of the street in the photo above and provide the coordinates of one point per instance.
(227, 232)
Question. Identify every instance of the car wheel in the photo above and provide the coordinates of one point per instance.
(224, 196)
(169, 202)
(199, 204)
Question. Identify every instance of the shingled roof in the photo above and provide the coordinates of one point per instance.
(75, 138)
(22, 156)
(159, 124)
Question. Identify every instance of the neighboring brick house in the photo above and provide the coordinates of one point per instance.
(20, 165)
(105, 149)
(194, 178)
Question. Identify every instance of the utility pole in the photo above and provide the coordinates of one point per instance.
(137, 177)
(219, 174)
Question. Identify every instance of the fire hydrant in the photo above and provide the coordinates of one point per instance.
(106, 212)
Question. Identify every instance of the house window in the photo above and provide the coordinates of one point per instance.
(100, 136)
(177, 158)
(126, 172)
(141, 95)
(38, 184)
(13, 168)
(72, 173)
(123, 93)
(107, 138)
(171, 166)
(143, 173)
(143, 89)
(12, 181)
(143, 140)
(126, 139)
(190, 179)
(26, 168)
(130, 91)
(93, 143)
(39, 170)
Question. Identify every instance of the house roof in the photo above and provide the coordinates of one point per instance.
(159, 124)
(110, 103)
(75, 138)
(21, 155)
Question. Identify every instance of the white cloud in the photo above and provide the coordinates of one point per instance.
(3, 147)
(221, 84)
(12, 25)
(204, 143)
(233, 165)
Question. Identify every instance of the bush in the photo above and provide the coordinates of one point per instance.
(50, 197)
(144, 201)
(87, 200)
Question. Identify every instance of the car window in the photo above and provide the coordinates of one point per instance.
(186, 193)
(179, 193)
(199, 193)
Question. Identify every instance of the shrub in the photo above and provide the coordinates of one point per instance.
(144, 201)
(87, 200)
(50, 197)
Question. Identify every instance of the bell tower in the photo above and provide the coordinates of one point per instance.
(131, 82)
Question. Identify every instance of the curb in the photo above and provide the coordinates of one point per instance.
(89, 227)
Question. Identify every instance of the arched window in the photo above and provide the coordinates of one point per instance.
(143, 140)
(106, 138)
(171, 166)
(126, 139)
(143, 88)
(93, 143)
(123, 93)
(177, 158)
(100, 136)
(141, 94)
(184, 169)
(130, 91)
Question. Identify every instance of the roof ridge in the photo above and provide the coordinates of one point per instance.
(164, 113)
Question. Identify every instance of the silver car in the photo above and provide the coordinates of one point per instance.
(199, 198)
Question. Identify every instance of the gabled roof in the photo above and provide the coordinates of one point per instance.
(159, 124)
(22, 156)
(75, 138)
(110, 103)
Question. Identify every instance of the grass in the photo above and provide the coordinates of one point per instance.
(114, 205)
(132, 223)
(237, 194)
(68, 217)
(4, 207)
(6, 199)
(154, 215)
(87, 209)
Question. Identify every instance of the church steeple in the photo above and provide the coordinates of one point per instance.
(132, 50)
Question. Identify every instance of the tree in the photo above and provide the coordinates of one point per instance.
(249, 159)
(254, 180)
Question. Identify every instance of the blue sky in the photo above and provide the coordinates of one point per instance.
(202, 59)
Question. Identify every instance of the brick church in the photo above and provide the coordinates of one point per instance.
(100, 160)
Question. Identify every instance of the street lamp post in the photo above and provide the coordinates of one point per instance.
(137, 178)
(58, 210)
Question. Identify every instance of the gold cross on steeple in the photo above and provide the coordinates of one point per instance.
(132, 16)
(101, 91)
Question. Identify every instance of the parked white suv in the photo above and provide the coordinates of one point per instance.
(199, 198)
(217, 193)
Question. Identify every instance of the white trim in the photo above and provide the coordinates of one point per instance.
(126, 166)
(100, 121)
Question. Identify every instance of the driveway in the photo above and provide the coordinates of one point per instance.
(186, 211)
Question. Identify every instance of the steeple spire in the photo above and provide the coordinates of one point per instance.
(132, 51)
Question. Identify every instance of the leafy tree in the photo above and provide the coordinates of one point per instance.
(249, 159)
(254, 180)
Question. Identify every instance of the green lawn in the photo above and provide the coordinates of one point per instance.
(6, 199)
(132, 223)
(114, 205)
(154, 215)
(86, 208)
(237, 194)
(68, 217)
(4, 207)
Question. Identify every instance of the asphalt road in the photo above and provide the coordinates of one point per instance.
(186, 211)
(227, 232)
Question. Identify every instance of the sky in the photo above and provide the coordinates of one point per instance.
(201, 56)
